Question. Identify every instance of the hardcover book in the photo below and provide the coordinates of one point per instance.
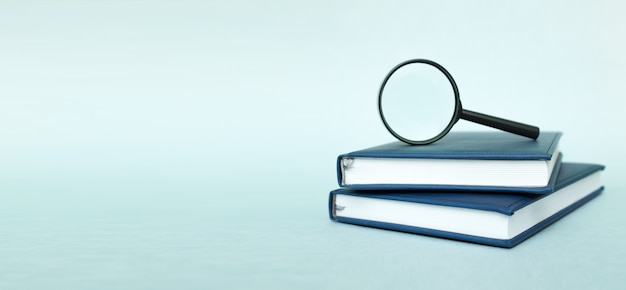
(497, 219)
(483, 161)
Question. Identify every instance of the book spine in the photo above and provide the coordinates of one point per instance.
(340, 170)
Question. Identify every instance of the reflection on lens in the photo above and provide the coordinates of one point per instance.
(418, 102)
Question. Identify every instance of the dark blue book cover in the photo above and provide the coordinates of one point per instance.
(576, 184)
(499, 161)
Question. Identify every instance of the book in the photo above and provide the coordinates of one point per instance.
(496, 219)
(484, 161)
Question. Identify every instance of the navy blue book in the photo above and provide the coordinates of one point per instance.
(477, 161)
(496, 219)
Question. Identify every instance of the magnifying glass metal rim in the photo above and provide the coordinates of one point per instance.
(457, 103)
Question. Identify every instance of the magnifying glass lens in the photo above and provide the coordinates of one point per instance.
(418, 103)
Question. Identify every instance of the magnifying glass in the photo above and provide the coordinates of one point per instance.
(419, 103)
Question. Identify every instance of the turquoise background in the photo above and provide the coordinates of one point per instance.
(192, 144)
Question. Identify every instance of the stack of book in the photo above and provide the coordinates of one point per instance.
(491, 188)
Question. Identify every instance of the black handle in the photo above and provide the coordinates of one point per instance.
(502, 124)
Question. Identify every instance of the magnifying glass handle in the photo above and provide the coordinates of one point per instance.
(502, 124)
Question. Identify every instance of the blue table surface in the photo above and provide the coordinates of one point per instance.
(166, 234)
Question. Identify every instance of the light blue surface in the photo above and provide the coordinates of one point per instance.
(184, 144)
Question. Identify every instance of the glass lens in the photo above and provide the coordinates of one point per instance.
(418, 102)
